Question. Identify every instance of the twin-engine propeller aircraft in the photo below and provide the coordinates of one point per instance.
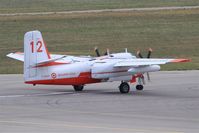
(41, 67)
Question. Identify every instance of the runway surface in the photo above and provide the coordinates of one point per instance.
(169, 104)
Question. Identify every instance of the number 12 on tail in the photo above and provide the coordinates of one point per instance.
(39, 46)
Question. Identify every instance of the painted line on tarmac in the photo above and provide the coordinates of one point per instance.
(103, 10)
(40, 94)
(83, 126)
(134, 116)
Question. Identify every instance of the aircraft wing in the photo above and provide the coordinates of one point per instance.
(147, 62)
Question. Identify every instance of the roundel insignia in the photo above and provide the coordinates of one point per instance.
(54, 75)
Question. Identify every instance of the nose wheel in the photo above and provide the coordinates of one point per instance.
(139, 87)
(124, 87)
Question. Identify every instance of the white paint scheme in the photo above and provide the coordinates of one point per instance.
(151, 68)
(33, 44)
(113, 67)
(122, 78)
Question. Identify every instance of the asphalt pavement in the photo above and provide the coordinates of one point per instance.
(168, 104)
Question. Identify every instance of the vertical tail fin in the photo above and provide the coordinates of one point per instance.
(34, 51)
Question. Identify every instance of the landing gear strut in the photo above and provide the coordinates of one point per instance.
(78, 87)
(139, 87)
(141, 81)
(124, 87)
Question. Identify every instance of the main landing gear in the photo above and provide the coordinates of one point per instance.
(78, 87)
(125, 88)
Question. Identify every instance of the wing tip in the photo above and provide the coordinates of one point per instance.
(180, 60)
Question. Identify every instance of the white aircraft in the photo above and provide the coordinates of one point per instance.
(41, 67)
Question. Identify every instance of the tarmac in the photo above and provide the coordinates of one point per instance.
(168, 104)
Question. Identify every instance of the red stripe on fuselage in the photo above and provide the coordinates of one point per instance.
(83, 78)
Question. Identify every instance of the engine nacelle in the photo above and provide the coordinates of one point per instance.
(152, 68)
(107, 70)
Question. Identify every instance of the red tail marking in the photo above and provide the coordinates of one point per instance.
(40, 46)
(32, 46)
(48, 54)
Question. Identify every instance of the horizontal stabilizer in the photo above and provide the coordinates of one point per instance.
(20, 56)
(17, 56)
(49, 61)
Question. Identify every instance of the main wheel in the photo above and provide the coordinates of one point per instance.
(139, 87)
(78, 87)
(124, 87)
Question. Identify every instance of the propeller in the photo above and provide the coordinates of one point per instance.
(107, 52)
(148, 56)
(98, 53)
(149, 53)
(139, 54)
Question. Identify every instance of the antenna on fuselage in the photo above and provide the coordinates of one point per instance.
(126, 50)
(107, 51)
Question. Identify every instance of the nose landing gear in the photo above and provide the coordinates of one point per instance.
(139, 87)
(141, 82)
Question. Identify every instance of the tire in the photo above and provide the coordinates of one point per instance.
(78, 87)
(139, 87)
(124, 87)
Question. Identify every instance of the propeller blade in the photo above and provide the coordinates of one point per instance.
(149, 56)
(97, 52)
(149, 53)
(139, 54)
(107, 52)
